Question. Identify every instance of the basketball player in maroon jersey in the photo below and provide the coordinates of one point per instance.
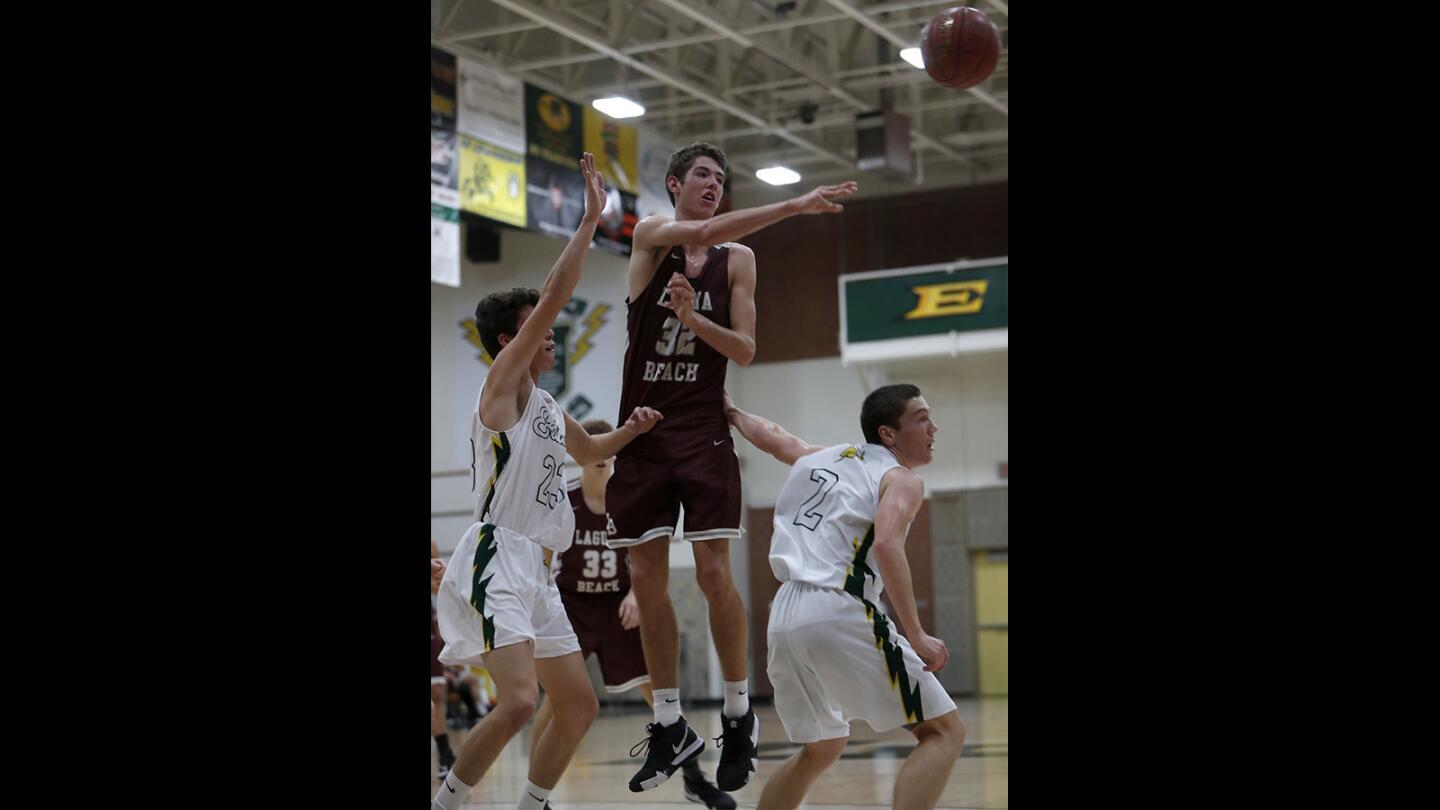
(594, 583)
(690, 310)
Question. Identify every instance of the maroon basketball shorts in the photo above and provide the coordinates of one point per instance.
(691, 462)
(595, 619)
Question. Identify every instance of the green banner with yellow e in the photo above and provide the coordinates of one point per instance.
(915, 302)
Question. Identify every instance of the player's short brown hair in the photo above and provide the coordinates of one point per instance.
(497, 313)
(682, 159)
(884, 406)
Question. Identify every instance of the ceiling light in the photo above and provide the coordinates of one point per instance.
(617, 107)
(778, 176)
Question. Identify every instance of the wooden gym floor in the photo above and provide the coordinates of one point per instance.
(863, 778)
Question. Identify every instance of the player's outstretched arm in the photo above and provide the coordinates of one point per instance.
(662, 231)
(588, 449)
(767, 435)
(511, 368)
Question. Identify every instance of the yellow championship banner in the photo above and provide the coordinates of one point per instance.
(613, 145)
(492, 182)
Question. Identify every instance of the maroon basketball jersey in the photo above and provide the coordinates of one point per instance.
(667, 367)
(588, 566)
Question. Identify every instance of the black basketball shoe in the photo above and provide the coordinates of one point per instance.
(670, 747)
(699, 790)
(739, 750)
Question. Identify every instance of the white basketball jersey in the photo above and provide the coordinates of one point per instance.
(825, 519)
(518, 475)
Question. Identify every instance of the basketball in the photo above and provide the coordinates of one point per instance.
(960, 47)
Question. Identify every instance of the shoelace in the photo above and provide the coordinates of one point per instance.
(643, 747)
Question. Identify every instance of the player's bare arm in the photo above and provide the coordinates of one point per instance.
(901, 492)
(508, 383)
(588, 449)
(767, 435)
(656, 234)
(737, 342)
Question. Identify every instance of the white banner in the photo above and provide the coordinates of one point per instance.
(444, 169)
(492, 106)
(444, 245)
(447, 197)
(444, 160)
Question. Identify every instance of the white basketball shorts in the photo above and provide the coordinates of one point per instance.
(496, 592)
(832, 660)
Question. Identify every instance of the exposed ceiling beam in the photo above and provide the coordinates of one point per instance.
(784, 59)
(451, 16)
(493, 31)
(754, 110)
(630, 17)
(569, 31)
(848, 120)
(559, 61)
(899, 42)
(758, 193)
(664, 43)
(854, 14)
(989, 136)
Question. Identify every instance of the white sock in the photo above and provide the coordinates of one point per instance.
(533, 798)
(667, 706)
(737, 698)
(452, 792)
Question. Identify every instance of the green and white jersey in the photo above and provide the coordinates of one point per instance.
(518, 473)
(825, 519)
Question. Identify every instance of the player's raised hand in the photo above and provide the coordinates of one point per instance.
(818, 201)
(594, 188)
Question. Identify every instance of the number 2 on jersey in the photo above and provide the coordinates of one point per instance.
(809, 515)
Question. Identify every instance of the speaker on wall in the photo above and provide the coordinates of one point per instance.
(882, 144)
(482, 242)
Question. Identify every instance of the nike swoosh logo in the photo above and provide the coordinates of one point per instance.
(536, 798)
(447, 786)
(743, 691)
(717, 444)
(677, 748)
(672, 700)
